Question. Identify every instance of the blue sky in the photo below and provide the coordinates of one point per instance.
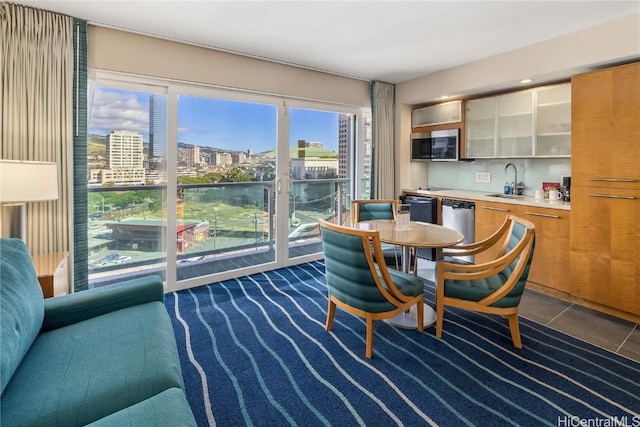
(211, 122)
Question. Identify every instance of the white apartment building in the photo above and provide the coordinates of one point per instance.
(125, 160)
(221, 159)
(192, 156)
(313, 168)
(237, 158)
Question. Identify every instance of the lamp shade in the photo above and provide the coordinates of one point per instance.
(26, 181)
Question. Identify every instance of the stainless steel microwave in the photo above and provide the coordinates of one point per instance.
(437, 145)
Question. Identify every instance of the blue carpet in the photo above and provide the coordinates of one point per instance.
(254, 351)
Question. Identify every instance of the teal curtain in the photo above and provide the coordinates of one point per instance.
(80, 214)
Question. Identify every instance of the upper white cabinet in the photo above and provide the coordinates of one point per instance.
(447, 112)
(515, 124)
(553, 124)
(480, 128)
(530, 123)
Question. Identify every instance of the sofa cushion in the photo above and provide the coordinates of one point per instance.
(169, 408)
(83, 372)
(21, 306)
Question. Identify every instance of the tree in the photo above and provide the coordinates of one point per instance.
(237, 175)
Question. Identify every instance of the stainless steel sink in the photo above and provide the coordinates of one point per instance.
(506, 196)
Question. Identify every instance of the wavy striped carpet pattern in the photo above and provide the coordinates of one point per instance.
(254, 351)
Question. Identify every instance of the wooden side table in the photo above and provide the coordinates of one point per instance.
(53, 273)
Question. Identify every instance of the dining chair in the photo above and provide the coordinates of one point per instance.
(359, 282)
(494, 287)
(380, 209)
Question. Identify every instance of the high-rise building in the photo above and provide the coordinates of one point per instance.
(124, 150)
(237, 158)
(345, 136)
(192, 155)
(157, 127)
(221, 159)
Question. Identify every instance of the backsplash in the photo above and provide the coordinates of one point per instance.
(462, 175)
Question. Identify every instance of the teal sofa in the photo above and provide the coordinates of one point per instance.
(102, 357)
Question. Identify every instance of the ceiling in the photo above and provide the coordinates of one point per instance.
(390, 41)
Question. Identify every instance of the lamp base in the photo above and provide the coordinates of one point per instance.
(14, 223)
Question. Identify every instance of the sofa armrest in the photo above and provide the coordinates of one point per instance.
(68, 309)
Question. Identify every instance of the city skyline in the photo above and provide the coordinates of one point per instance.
(210, 122)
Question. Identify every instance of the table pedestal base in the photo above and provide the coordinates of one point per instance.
(408, 320)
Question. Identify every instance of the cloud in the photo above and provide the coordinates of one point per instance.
(119, 110)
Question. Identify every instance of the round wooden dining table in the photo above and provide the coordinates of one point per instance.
(417, 235)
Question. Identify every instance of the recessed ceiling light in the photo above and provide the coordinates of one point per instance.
(444, 97)
(525, 81)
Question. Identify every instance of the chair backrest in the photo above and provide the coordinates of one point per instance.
(367, 210)
(519, 248)
(352, 275)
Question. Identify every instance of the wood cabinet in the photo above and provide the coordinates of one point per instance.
(605, 244)
(53, 273)
(550, 265)
(489, 217)
(605, 192)
(530, 123)
(605, 109)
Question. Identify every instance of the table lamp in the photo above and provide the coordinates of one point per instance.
(21, 182)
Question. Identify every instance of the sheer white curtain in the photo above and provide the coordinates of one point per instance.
(36, 123)
(382, 117)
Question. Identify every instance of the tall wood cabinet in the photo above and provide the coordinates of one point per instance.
(605, 193)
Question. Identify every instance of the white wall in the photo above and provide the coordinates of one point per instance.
(550, 61)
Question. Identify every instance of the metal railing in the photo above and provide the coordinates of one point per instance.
(128, 232)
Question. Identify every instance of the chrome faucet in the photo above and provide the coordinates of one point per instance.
(514, 187)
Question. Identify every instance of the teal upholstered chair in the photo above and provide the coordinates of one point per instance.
(493, 287)
(373, 209)
(359, 282)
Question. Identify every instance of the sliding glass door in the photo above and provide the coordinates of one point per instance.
(203, 184)
(321, 147)
(126, 183)
(226, 167)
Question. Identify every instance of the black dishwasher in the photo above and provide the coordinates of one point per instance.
(423, 209)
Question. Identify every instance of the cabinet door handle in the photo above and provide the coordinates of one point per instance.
(495, 209)
(544, 215)
(612, 196)
(614, 179)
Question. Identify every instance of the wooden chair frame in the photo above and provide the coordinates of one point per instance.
(402, 302)
(446, 270)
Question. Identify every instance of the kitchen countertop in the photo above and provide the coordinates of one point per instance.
(486, 197)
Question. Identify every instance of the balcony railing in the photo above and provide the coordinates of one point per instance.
(218, 226)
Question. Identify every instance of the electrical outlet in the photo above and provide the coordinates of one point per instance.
(483, 177)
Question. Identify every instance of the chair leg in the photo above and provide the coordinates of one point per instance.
(369, 352)
(331, 312)
(439, 318)
(514, 326)
(420, 312)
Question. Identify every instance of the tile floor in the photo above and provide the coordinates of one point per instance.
(614, 334)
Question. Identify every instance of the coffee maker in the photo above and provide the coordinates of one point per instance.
(566, 186)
